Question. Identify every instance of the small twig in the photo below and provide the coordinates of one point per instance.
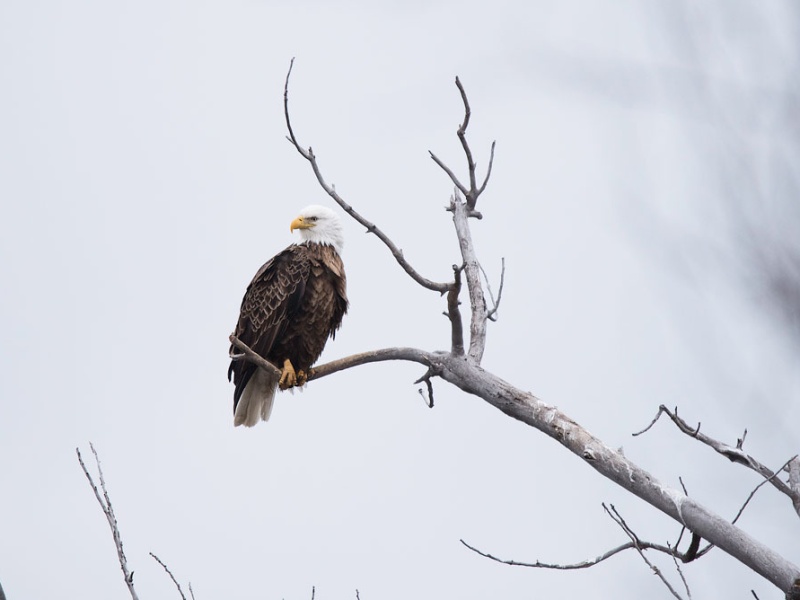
(108, 511)
(191, 591)
(683, 579)
(492, 314)
(488, 170)
(450, 174)
(431, 372)
(614, 514)
(331, 191)
(754, 594)
(313, 591)
(357, 596)
(171, 576)
(740, 441)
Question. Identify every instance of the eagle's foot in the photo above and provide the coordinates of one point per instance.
(288, 376)
(302, 378)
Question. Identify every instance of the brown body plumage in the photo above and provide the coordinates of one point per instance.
(294, 304)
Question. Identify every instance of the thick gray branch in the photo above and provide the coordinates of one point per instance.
(525, 407)
(408, 354)
(477, 301)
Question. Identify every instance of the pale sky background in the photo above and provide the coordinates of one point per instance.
(144, 178)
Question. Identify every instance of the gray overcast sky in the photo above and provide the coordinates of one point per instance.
(144, 178)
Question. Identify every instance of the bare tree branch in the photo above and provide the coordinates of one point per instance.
(427, 379)
(584, 564)
(442, 288)
(450, 174)
(466, 374)
(462, 131)
(529, 409)
(638, 545)
(407, 354)
(477, 301)
(108, 511)
(767, 480)
(683, 579)
(171, 576)
(736, 454)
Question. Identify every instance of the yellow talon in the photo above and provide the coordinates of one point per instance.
(288, 376)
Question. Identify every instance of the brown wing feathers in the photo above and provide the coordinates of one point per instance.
(270, 300)
(294, 303)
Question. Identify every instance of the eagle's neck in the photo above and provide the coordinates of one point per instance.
(330, 236)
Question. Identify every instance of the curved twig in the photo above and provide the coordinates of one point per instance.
(584, 564)
(407, 354)
(354, 360)
(331, 191)
(171, 576)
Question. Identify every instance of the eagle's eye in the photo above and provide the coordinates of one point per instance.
(312, 219)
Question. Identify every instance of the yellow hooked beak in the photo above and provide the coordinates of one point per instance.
(300, 223)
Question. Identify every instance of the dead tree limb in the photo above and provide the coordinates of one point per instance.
(108, 511)
(735, 454)
(584, 564)
(464, 372)
(308, 154)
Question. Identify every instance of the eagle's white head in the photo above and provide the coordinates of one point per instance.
(319, 225)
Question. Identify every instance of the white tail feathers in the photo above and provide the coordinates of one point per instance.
(256, 402)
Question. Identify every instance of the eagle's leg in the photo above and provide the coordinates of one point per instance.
(288, 376)
(302, 377)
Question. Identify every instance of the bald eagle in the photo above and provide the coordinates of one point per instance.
(294, 303)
